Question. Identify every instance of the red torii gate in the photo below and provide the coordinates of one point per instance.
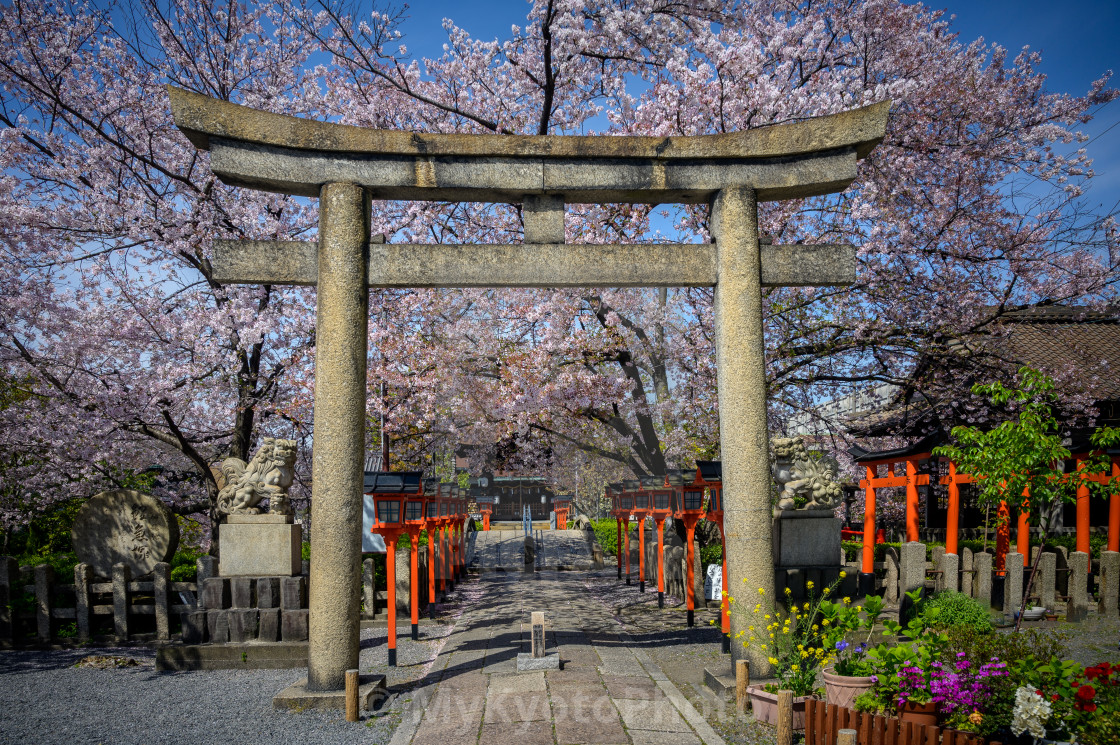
(918, 453)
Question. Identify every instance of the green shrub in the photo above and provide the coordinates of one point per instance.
(955, 609)
(63, 563)
(306, 551)
(712, 554)
(606, 532)
(184, 573)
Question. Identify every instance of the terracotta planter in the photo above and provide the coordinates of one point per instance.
(842, 690)
(765, 707)
(921, 714)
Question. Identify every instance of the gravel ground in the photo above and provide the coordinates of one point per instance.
(45, 699)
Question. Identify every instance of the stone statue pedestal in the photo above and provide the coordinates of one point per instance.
(260, 546)
(806, 538)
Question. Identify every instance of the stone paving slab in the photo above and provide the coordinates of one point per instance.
(608, 692)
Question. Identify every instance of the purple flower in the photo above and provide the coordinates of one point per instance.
(841, 645)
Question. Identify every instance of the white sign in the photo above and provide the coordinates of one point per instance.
(371, 542)
(713, 583)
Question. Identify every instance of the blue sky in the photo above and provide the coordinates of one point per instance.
(1077, 39)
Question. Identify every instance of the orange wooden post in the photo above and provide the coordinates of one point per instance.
(690, 574)
(642, 555)
(952, 520)
(1003, 537)
(1114, 512)
(660, 562)
(414, 583)
(618, 543)
(911, 500)
(440, 561)
(626, 538)
(724, 605)
(869, 524)
(1023, 530)
(391, 586)
(431, 572)
(1082, 514)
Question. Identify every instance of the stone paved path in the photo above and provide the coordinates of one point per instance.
(609, 692)
(555, 549)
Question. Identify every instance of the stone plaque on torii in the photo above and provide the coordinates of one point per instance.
(348, 166)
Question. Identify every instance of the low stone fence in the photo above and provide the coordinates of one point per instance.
(1063, 579)
(36, 608)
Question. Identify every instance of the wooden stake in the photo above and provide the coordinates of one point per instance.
(846, 737)
(351, 695)
(742, 680)
(785, 718)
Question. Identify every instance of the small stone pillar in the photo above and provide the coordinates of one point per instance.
(1045, 582)
(947, 563)
(9, 578)
(44, 601)
(1110, 584)
(1077, 609)
(537, 644)
(403, 563)
(1013, 583)
(982, 590)
(161, 584)
(206, 567)
(83, 605)
(967, 575)
(913, 569)
(369, 592)
(891, 581)
(122, 577)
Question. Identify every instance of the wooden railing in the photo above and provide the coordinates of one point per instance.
(824, 721)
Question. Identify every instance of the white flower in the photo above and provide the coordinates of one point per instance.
(1030, 714)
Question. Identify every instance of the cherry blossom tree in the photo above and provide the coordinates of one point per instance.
(969, 208)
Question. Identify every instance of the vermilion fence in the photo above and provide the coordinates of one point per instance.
(823, 721)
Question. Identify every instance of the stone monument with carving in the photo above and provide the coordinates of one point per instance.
(123, 526)
(254, 543)
(806, 533)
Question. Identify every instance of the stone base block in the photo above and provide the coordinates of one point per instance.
(807, 538)
(293, 593)
(293, 625)
(250, 656)
(268, 629)
(194, 627)
(371, 692)
(527, 662)
(260, 549)
(217, 626)
(242, 625)
(720, 680)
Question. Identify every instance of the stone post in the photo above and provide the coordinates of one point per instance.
(982, 563)
(9, 580)
(1078, 606)
(947, 563)
(161, 583)
(122, 576)
(1013, 583)
(1045, 580)
(912, 572)
(403, 567)
(967, 575)
(1109, 584)
(741, 385)
(369, 594)
(206, 567)
(83, 578)
(44, 602)
(342, 325)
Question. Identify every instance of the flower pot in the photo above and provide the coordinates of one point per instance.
(765, 707)
(921, 714)
(842, 690)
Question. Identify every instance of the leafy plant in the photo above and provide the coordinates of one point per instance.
(951, 609)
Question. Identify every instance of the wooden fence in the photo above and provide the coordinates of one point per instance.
(121, 597)
(823, 722)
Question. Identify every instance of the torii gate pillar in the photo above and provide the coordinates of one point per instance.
(741, 382)
(342, 330)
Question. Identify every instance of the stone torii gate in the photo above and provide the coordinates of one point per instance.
(348, 166)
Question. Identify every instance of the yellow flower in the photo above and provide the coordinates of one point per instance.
(806, 606)
(847, 601)
(757, 607)
(761, 591)
(773, 660)
(826, 590)
(859, 609)
(750, 628)
(809, 584)
(824, 622)
(767, 616)
(816, 628)
(795, 668)
(762, 647)
(843, 574)
(804, 654)
(712, 622)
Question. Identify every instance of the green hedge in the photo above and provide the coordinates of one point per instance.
(606, 532)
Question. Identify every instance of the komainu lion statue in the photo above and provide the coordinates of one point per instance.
(807, 482)
(268, 475)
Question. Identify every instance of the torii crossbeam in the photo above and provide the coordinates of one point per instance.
(347, 166)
